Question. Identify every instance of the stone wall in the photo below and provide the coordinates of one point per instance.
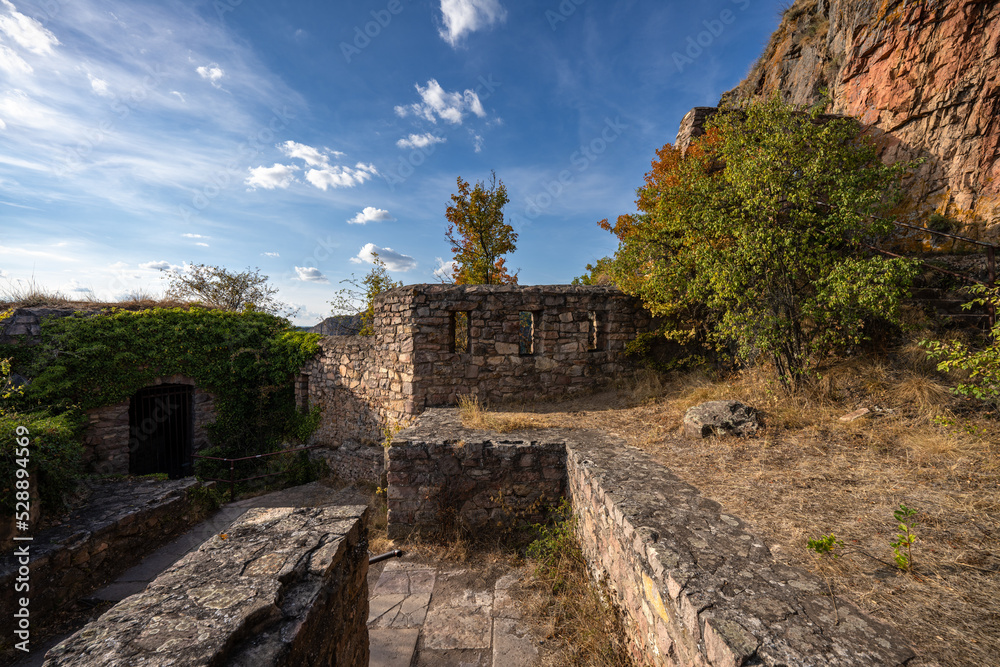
(473, 483)
(121, 522)
(415, 360)
(693, 584)
(106, 440)
(283, 586)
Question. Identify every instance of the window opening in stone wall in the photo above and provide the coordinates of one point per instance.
(161, 430)
(460, 332)
(592, 331)
(526, 329)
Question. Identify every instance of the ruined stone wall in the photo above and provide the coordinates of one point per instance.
(284, 587)
(693, 584)
(577, 343)
(106, 440)
(367, 385)
(474, 483)
(121, 523)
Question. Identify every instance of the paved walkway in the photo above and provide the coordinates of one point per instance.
(422, 615)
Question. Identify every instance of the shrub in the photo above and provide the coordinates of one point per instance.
(55, 456)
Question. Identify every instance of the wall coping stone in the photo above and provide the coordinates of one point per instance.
(257, 594)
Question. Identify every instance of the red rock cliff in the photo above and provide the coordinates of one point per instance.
(924, 72)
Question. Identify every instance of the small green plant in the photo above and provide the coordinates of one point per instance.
(939, 223)
(903, 544)
(982, 366)
(826, 545)
(556, 548)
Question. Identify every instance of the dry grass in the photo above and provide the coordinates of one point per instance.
(476, 416)
(30, 294)
(808, 474)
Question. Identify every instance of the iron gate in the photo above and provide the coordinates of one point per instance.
(161, 425)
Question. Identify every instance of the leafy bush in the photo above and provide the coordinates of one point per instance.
(54, 456)
(982, 366)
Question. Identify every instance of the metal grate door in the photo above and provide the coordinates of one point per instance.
(161, 425)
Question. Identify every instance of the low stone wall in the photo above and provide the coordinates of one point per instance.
(121, 522)
(475, 481)
(693, 584)
(283, 586)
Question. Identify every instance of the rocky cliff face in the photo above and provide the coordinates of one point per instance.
(923, 74)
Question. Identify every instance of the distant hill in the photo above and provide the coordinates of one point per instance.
(338, 325)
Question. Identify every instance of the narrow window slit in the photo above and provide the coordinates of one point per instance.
(526, 328)
(592, 343)
(460, 331)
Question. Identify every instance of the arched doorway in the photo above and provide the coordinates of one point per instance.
(161, 426)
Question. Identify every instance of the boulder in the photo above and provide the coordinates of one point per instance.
(721, 418)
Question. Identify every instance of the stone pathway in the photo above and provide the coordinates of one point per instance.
(421, 615)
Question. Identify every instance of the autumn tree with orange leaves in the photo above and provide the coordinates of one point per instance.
(479, 236)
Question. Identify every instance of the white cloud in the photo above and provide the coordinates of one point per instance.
(394, 261)
(194, 236)
(311, 156)
(270, 254)
(477, 140)
(80, 288)
(204, 245)
(340, 177)
(179, 95)
(462, 17)
(26, 31)
(269, 178)
(436, 103)
(310, 274)
(420, 141)
(213, 73)
(371, 214)
(445, 271)
(12, 62)
(99, 86)
(159, 266)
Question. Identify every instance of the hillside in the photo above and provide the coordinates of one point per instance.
(922, 74)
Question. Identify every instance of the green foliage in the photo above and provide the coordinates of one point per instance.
(219, 287)
(939, 223)
(902, 545)
(598, 273)
(54, 456)
(982, 366)
(753, 239)
(206, 499)
(360, 298)
(478, 235)
(556, 547)
(825, 545)
(247, 360)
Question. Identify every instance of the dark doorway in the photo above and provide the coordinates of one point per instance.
(161, 425)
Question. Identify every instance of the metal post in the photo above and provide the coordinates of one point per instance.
(232, 481)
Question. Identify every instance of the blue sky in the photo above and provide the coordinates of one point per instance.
(298, 137)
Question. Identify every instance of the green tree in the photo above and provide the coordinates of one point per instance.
(479, 236)
(598, 273)
(755, 238)
(360, 296)
(224, 289)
